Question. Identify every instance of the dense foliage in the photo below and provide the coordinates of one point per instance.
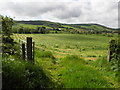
(115, 49)
(7, 41)
(115, 56)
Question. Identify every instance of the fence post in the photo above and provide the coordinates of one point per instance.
(29, 49)
(33, 51)
(23, 51)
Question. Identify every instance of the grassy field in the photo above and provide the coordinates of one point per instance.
(29, 26)
(74, 60)
(87, 46)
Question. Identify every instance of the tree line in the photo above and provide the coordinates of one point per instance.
(23, 30)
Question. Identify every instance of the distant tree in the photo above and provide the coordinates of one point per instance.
(27, 30)
(43, 30)
(56, 32)
(21, 30)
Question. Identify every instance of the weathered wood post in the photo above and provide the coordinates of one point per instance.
(29, 49)
(109, 54)
(33, 51)
(23, 51)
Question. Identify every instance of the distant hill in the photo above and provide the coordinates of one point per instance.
(45, 23)
(96, 27)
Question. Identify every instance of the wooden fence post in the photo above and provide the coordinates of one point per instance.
(111, 49)
(29, 49)
(109, 55)
(33, 51)
(23, 51)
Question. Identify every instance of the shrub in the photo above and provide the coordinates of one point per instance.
(7, 41)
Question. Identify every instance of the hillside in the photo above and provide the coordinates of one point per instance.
(60, 25)
(55, 27)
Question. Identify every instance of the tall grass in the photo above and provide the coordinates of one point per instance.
(78, 73)
(22, 74)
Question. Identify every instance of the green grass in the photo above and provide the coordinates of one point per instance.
(64, 56)
(68, 44)
(22, 74)
(75, 72)
(69, 27)
(30, 26)
(77, 75)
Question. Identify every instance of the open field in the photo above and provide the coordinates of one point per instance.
(74, 60)
(87, 46)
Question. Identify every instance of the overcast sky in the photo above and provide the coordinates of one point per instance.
(104, 12)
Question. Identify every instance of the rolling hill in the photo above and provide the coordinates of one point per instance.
(56, 25)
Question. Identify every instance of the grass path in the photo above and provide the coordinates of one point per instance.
(73, 73)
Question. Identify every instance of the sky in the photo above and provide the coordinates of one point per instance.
(104, 12)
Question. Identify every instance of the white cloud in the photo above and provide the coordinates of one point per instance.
(104, 12)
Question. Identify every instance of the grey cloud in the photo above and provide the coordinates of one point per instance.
(72, 10)
(58, 9)
(66, 14)
(33, 9)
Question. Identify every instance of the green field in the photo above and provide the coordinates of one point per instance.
(29, 26)
(86, 46)
(74, 60)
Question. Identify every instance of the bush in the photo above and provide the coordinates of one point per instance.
(7, 41)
